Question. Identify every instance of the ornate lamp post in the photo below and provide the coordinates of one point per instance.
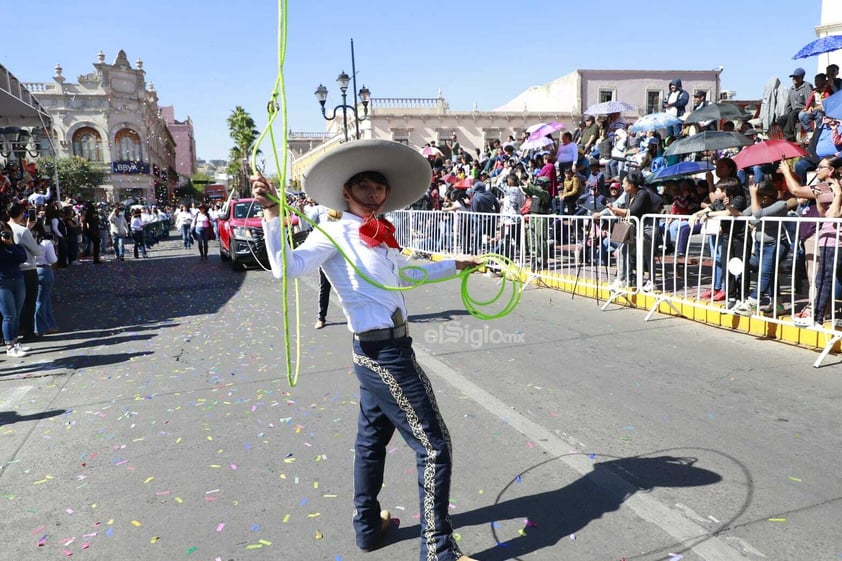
(364, 96)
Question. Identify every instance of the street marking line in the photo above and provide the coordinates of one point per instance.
(710, 548)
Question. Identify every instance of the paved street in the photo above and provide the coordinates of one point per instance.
(160, 426)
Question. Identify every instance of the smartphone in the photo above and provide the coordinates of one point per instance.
(30, 214)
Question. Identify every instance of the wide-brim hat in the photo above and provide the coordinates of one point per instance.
(407, 171)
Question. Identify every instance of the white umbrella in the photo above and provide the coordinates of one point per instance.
(536, 143)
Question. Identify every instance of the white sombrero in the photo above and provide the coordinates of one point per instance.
(408, 172)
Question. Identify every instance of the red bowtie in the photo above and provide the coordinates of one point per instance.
(374, 231)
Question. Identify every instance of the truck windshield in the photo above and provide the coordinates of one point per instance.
(247, 210)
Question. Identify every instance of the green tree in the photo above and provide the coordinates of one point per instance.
(243, 132)
(76, 176)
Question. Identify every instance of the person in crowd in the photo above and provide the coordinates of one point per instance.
(58, 230)
(795, 103)
(12, 290)
(725, 237)
(74, 230)
(91, 228)
(813, 109)
(486, 208)
(641, 201)
(136, 227)
(369, 177)
(572, 188)
(675, 104)
(548, 170)
(202, 227)
(508, 241)
(619, 147)
(184, 224)
(537, 228)
(567, 154)
(118, 229)
(45, 321)
(767, 237)
(806, 232)
(590, 135)
(829, 268)
(19, 221)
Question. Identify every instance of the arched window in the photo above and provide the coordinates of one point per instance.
(128, 146)
(87, 144)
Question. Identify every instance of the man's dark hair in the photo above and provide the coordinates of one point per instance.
(15, 210)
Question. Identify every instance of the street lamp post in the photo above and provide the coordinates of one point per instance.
(364, 96)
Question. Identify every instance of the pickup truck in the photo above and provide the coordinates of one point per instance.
(241, 234)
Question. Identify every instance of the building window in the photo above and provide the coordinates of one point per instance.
(128, 146)
(606, 94)
(401, 135)
(87, 144)
(653, 101)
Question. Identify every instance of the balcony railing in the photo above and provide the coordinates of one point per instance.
(408, 102)
(309, 135)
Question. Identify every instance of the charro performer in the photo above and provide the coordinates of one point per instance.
(367, 178)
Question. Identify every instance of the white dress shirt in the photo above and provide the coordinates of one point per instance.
(366, 306)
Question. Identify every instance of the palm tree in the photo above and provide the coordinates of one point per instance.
(243, 132)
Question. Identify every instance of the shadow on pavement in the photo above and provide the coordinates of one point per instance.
(10, 417)
(556, 515)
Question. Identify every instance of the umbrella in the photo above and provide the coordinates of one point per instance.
(654, 121)
(679, 170)
(832, 106)
(715, 112)
(464, 183)
(707, 140)
(539, 142)
(819, 46)
(608, 107)
(430, 152)
(546, 129)
(450, 178)
(532, 128)
(768, 151)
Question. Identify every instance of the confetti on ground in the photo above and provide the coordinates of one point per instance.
(777, 520)
(797, 480)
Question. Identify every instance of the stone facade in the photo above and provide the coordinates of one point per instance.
(111, 117)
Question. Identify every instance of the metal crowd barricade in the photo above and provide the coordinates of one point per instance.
(575, 253)
(728, 249)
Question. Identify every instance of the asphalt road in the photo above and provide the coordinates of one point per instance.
(160, 425)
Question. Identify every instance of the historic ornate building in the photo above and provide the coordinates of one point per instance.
(111, 116)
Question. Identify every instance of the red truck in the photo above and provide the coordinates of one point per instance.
(241, 234)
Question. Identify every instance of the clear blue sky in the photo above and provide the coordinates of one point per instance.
(207, 57)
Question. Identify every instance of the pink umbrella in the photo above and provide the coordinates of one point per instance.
(544, 130)
(464, 183)
(431, 152)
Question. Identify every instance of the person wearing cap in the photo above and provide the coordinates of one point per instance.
(795, 102)
(368, 178)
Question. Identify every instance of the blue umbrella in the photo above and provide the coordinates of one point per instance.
(654, 121)
(821, 45)
(833, 106)
(679, 170)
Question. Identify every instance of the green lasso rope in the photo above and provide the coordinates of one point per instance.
(277, 106)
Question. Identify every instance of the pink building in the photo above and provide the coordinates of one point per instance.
(185, 143)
